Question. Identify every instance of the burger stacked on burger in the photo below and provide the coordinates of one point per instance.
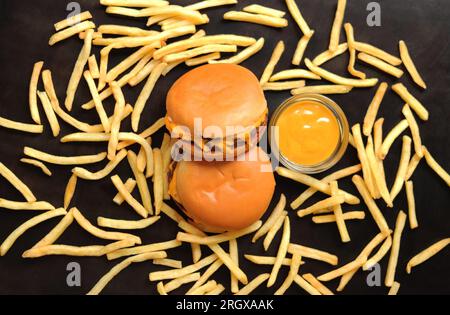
(220, 177)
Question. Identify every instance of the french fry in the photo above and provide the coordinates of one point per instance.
(377, 52)
(10, 124)
(219, 238)
(329, 76)
(362, 155)
(351, 49)
(217, 290)
(123, 30)
(17, 183)
(93, 67)
(294, 74)
(77, 72)
(86, 15)
(145, 94)
(372, 111)
(315, 183)
(390, 138)
(328, 55)
(244, 54)
(174, 11)
(168, 263)
(276, 213)
(194, 52)
(178, 282)
(275, 57)
(104, 59)
(134, 3)
(323, 89)
(302, 283)
(297, 16)
(202, 59)
(160, 288)
(329, 218)
(143, 249)
(409, 65)
(208, 286)
(64, 160)
(128, 197)
(141, 182)
(97, 101)
(29, 205)
(329, 202)
(280, 86)
(414, 129)
(130, 184)
(32, 92)
(427, 254)
(158, 189)
(393, 258)
(267, 260)
(340, 221)
(205, 4)
(379, 255)
(378, 135)
(380, 64)
(402, 167)
(176, 273)
(57, 231)
(116, 121)
(259, 9)
(252, 285)
(234, 254)
(101, 284)
(415, 105)
(281, 253)
(255, 18)
(85, 174)
(373, 208)
(358, 262)
(435, 166)
(95, 231)
(337, 25)
(317, 284)
(71, 31)
(415, 160)
(206, 275)
(273, 230)
(185, 44)
(411, 205)
(126, 224)
(394, 288)
(300, 49)
(70, 190)
(293, 271)
(144, 73)
(171, 213)
(38, 164)
(9, 241)
(51, 117)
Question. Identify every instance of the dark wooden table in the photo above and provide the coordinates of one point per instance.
(25, 27)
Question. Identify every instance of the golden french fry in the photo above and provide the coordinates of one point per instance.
(97, 101)
(337, 25)
(409, 187)
(252, 285)
(39, 164)
(416, 106)
(323, 89)
(98, 287)
(402, 167)
(379, 255)
(301, 47)
(244, 54)
(63, 160)
(393, 258)
(178, 282)
(267, 260)
(329, 76)
(57, 231)
(32, 92)
(329, 202)
(126, 224)
(116, 121)
(427, 254)
(70, 190)
(276, 213)
(390, 138)
(51, 117)
(130, 184)
(329, 218)
(373, 208)
(158, 189)
(75, 19)
(85, 174)
(409, 65)
(202, 59)
(259, 9)
(435, 166)
(29, 205)
(302, 283)
(340, 221)
(362, 155)
(293, 271)
(380, 64)
(412, 165)
(123, 30)
(372, 111)
(255, 18)
(358, 262)
(294, 74)
(317, 284)
(168, 262)
(69, 32)
(351, 48)
(206, 275)
(280, 86)
(328, 55)
(134, 3)
(297, 16)
(377, 52)
(208, 286)
(143, 249)
(17, 183)
(414, 129)
(273, 230)
(194, 52)
(234, 254)
(275, 57)
(77, 72)
(141, 182)
(128, 197)
(10, 124)
(281, 253)
(312, 253)
(93, 67)
(9, 241)
(394, 288)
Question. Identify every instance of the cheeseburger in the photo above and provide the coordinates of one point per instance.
(224, 196)
(218, 110)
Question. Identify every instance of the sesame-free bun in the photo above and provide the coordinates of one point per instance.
(225, 195)
(221, 94)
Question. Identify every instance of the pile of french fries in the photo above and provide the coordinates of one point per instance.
(158, 51)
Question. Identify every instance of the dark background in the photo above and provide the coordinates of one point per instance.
(25, 27)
